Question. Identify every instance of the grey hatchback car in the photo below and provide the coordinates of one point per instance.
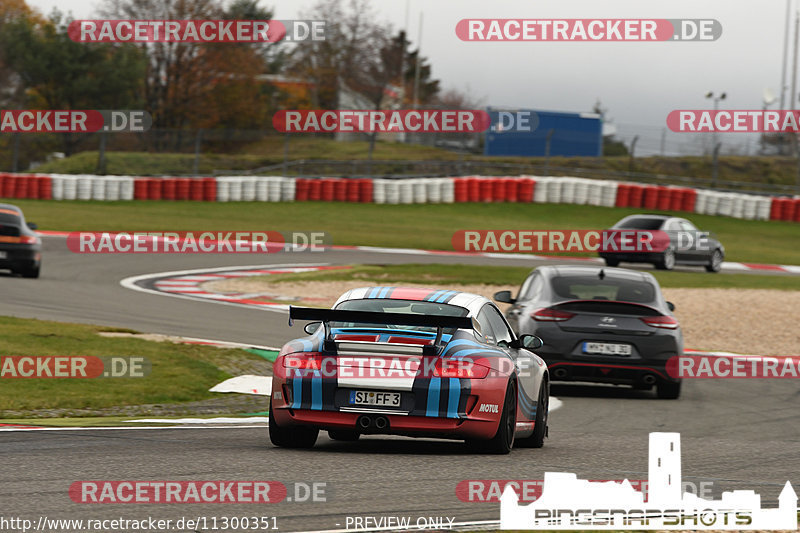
(686, 245)
(599, 324)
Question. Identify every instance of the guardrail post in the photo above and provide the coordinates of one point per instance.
(101, 158)
(197, 142)
(715, 166)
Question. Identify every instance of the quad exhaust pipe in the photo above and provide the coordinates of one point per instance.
(370, 423)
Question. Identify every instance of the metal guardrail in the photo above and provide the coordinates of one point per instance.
(389, 169)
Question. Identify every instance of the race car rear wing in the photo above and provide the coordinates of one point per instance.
(373, 317)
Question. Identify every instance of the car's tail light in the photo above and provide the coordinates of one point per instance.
(459, 368)
(662, 321)
(548, 314)
(28, 239)
(303, 361)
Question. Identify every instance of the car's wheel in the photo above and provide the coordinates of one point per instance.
(343, 434)
(503, 440)
(290, 437)
(32, 272)
(715, 263)
(668, 390)
(612, 262)
(536, 440)
(667, 261)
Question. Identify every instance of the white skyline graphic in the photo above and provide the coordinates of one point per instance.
(571, 503)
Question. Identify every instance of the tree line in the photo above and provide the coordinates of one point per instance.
(192, 86)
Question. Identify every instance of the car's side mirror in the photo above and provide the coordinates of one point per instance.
(32, 225)
(312, 327)
(671, 306)
(531, 342)
(504, 296)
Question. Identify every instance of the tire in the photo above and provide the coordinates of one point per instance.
(346, 435)
(290, 437)
(540, 427)
(667, 261)
(32, 272)
(612, 262)
(715, 262)
(503, 440)
(668, 390)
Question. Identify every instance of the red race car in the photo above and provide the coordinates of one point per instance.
(413, 362)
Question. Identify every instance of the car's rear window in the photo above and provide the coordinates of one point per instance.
(592, 288)
(9, 231)
(9, 217)
(640, 223)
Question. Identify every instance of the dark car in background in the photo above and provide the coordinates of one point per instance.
(687, 244)
(599, 324)
(20, 246)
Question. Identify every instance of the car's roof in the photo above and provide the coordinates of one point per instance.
(650, 215)
(471, 302)
(592, 270)
(11, 208)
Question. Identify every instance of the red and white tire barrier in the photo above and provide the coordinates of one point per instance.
(476, 189)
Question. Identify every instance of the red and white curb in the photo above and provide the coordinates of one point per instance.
(187, 284)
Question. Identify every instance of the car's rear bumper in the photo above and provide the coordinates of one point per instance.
(563, 354)
(614, 373)
(397, 424)
(19, 257)
(453, 408)
(630, 257)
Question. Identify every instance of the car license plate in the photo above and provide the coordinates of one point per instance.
(382, 399)
(606, 348)
(3, 254)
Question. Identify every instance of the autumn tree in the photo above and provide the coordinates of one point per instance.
(201, 85)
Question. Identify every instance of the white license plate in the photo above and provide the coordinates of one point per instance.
(606, 348)
(3, 254)
(383, 399)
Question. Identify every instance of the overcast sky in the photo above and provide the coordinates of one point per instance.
(639, 83)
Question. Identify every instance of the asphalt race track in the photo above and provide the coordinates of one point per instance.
(737, 434)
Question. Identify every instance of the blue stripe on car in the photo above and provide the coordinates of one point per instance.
(452, 399)
(316, 391)
(432, 297)
(433, 397)
(384, 292)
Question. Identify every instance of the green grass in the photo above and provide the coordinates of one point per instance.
(506, 276)
(412, 226)
(180, 373)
